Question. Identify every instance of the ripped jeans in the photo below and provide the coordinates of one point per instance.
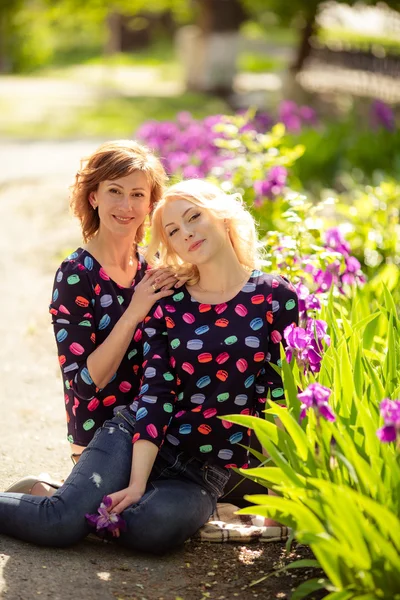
(180, 496)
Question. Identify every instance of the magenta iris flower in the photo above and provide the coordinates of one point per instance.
(316, 396)
(307, 301)
(105, 520)
(339, 273)
(390, 412)
(307, 344)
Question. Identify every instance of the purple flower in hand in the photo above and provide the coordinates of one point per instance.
(106, 520)
(390, 411)
(316, 396)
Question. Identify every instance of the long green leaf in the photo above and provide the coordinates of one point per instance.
(307, 587)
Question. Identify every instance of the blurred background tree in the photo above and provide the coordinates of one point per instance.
(301, 15)
(34, 33)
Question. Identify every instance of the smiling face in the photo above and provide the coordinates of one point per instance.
(192, 231)
(122, 203)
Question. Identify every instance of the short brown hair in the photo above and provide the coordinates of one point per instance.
(110, 161)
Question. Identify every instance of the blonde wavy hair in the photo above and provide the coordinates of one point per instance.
(110, 161)
(223, 206)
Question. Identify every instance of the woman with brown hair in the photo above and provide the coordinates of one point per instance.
(103, 290)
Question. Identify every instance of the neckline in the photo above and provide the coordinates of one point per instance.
(121, 287)
(221, 301)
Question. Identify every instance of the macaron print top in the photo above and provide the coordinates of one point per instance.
(85, 306)
(203, 361)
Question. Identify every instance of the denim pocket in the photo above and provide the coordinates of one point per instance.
(215, 480)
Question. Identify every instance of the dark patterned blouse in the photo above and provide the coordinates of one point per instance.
(204, 361)
(86, 304)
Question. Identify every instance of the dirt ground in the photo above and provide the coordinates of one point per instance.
(36, 232)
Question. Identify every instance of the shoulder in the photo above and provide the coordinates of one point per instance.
(76, 269)
(272, 283)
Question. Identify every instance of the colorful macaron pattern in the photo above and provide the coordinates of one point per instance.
(86, 304)
(219, 354)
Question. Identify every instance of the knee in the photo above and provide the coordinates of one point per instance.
(63, 530)
(159, 534)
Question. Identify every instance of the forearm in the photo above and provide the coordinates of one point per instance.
(103, 362)
(143, 456)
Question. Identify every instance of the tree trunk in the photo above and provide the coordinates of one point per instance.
(5, 58)
(209, 50)
(114, 30)
(304, 48)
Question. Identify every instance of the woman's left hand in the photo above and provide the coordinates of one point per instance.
(166, 279)
(122, 499)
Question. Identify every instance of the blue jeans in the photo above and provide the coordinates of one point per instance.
(180, 496)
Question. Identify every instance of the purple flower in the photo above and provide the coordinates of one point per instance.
(307, 301)
(335, 274)
(382, 116)
(272, 186)
(294, 116)
(308, 115)
(316, 396)
(390, 412)
(306, 344)
(335, 240)
(325, 279)
(106, 520)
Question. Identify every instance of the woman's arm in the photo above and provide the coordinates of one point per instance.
(143, 457)
(107, 357)
(285, 298)
(86, 366)
(154, 407)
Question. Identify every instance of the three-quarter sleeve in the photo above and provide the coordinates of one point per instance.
(74, 327)
(155, 404)
(282, 310)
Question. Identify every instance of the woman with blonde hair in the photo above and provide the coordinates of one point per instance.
(161, 464)
(102, 291)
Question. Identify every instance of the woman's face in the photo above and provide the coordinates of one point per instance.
(122, 203)
(192, 231)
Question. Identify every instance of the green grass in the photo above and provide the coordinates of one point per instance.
(114, 117)
(157, 54)
(160, 54)
(357, 40)
(260, 63)
(272, 34)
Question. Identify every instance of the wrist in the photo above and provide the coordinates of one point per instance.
(138, 486)
(131, 318)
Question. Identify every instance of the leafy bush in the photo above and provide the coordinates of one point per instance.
(338, 485)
